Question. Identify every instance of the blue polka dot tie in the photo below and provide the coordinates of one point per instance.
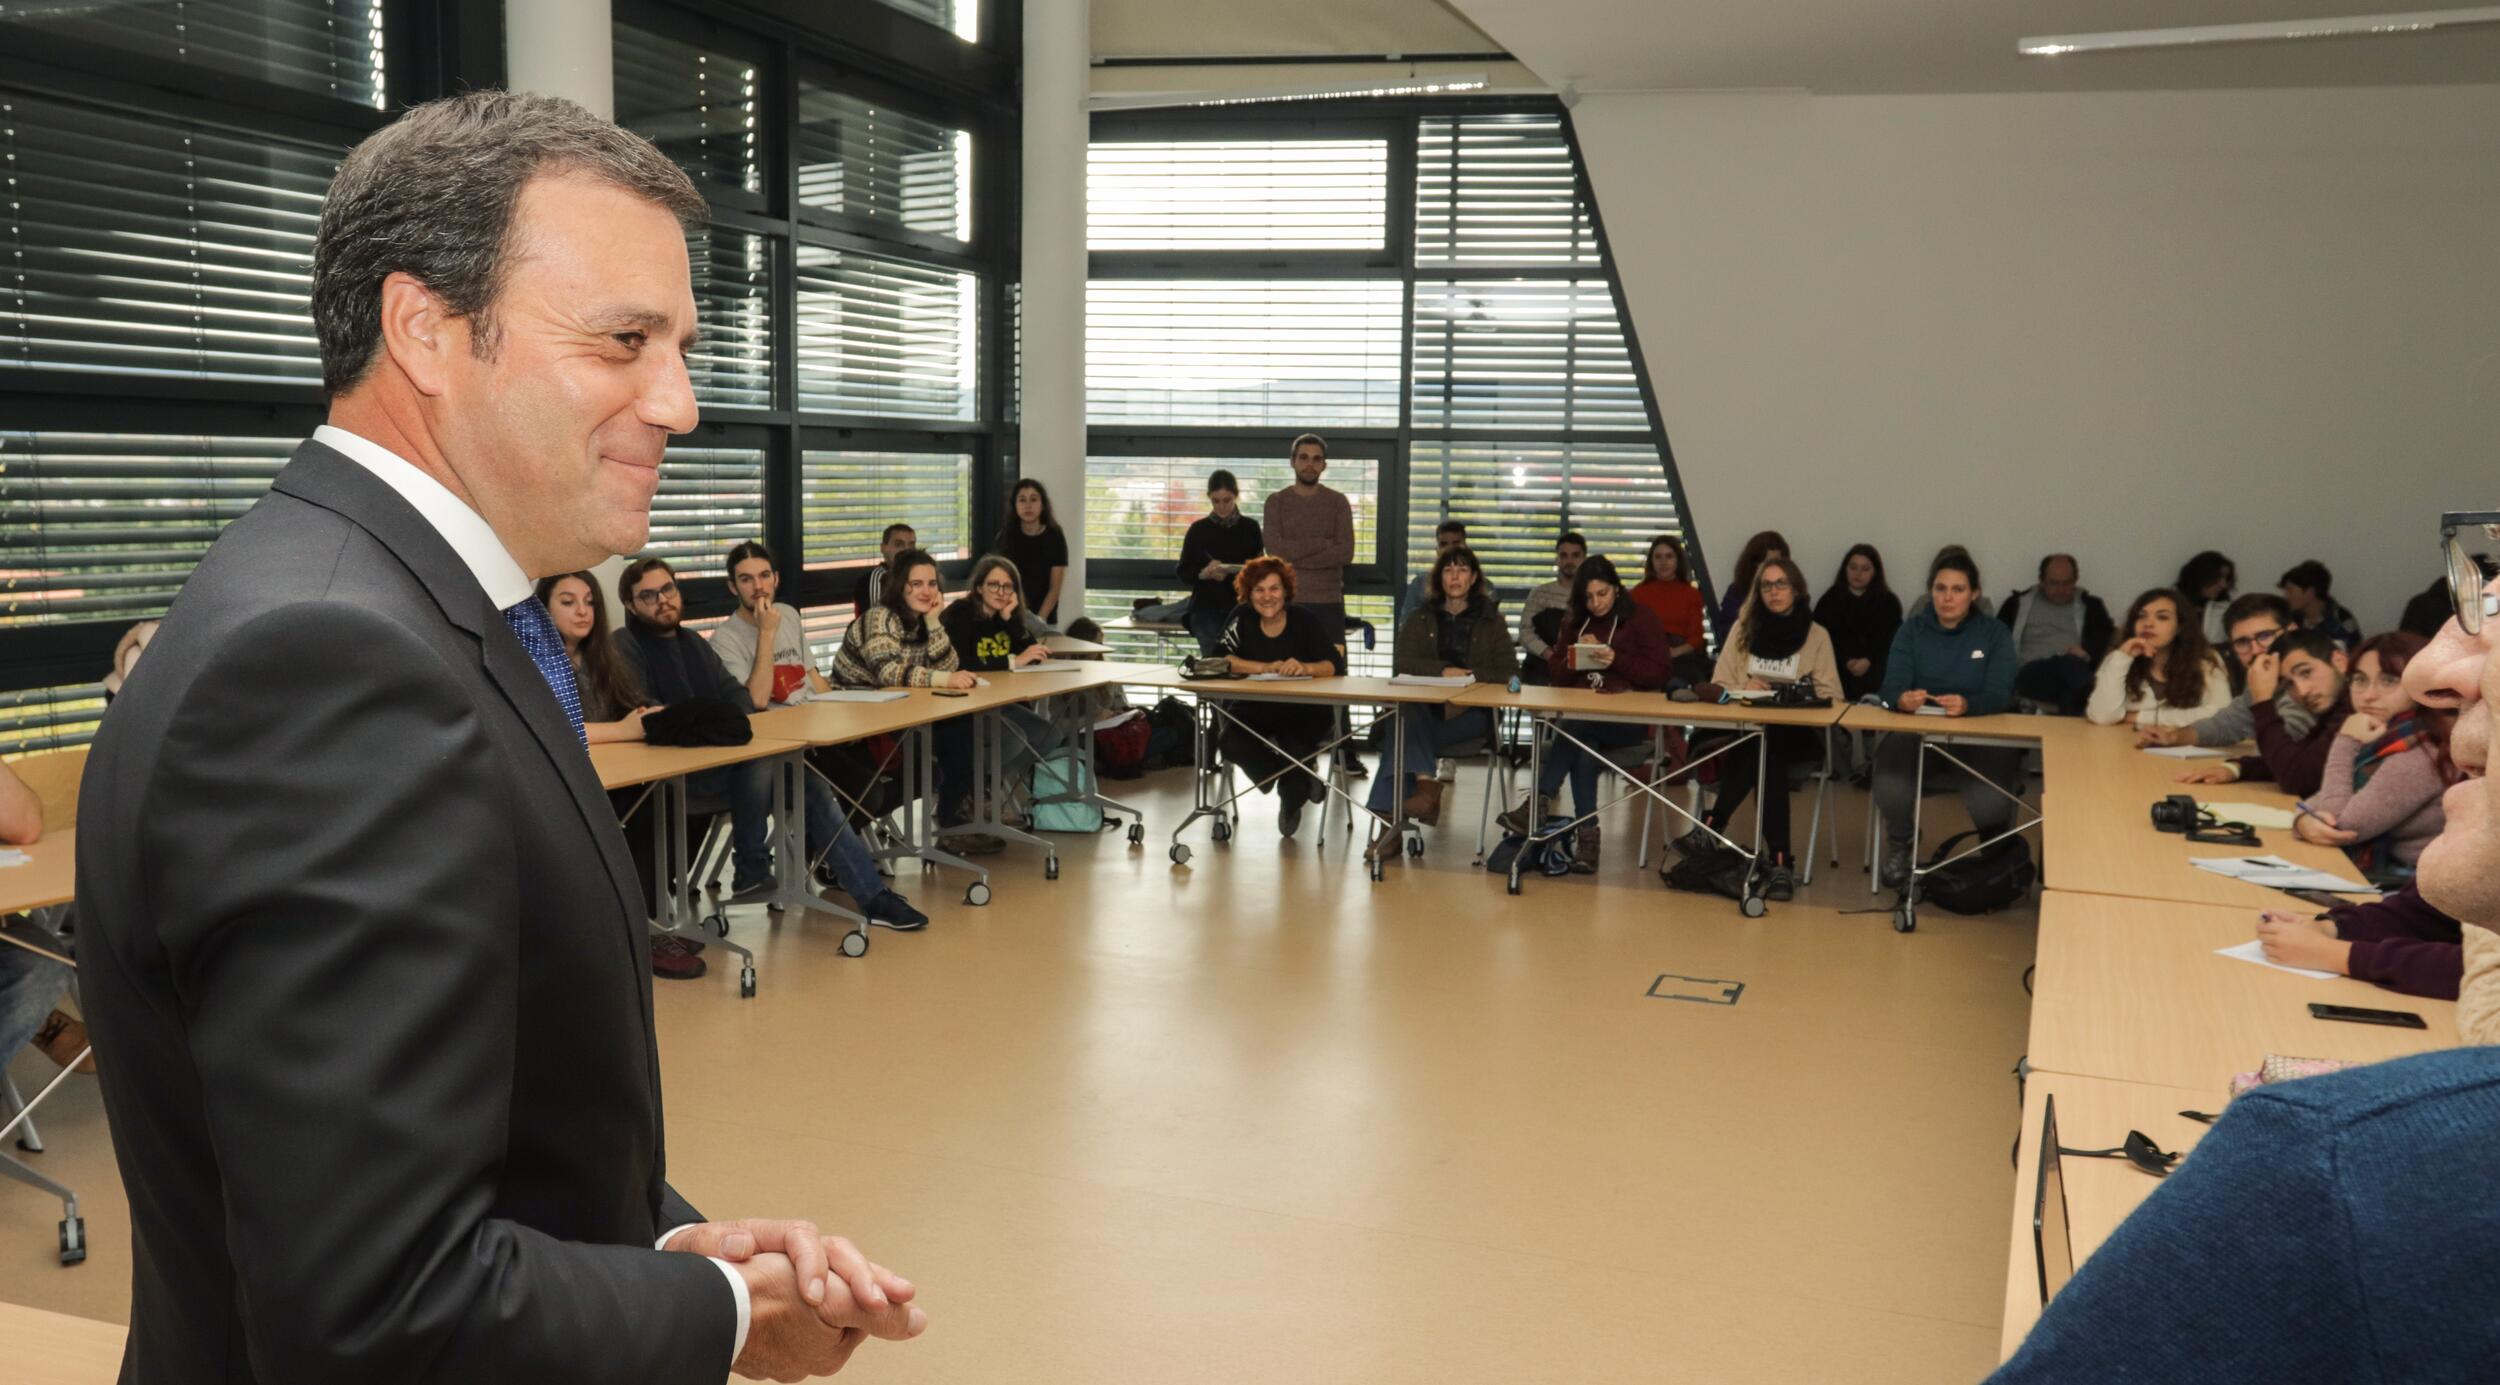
(537, 634)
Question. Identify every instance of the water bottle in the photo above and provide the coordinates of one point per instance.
(1514, 683)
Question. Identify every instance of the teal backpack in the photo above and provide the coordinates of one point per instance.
(1064, 776)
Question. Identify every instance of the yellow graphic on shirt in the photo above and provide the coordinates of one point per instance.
(995, 645)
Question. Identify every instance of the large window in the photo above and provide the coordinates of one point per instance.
(1427, 288)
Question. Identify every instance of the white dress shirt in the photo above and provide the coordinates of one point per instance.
(506, 585)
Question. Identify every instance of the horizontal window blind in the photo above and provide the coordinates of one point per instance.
(148, 248)
(1523, 354)
(885, 337)
(49, 718)
(1263, 353)
(1516, 499)
(106, 527)
(711, 500)
(849, 498)
(733, 280)
(330, 47)
(1142, 507)
(1238, 195)
(860, 159)
(699, 107)
(1499, 189)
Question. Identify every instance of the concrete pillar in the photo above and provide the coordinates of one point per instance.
(1057, 65)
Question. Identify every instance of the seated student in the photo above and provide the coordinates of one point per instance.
(870, 589)
(1449, 534)
(2254, 622)
(2206, 581)
(670, 666)
(2387, 768)
(989, 634)
(1861, 615)
(1610, 645)
(1540, 616)
(1770, 543)
(2061, 633)
(2313, 667)
(1270, 634)
(2308, 589)
(31, 984)
(1666, 589)
(901, 644)
(2164, 675)
(2396, 941)
(1920, 604)
(1775, 641)
(1960, 662)
(764, 642)
(1212, 552)
(1459, 634)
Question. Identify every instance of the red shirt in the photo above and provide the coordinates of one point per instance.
(1677, 606)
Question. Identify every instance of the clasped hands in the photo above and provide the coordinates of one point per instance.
(812, 1298)
(1951, 704)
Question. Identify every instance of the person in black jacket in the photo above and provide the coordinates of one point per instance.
(990, 635)
(1861, 615)
(2061, 633)
(1212, 553)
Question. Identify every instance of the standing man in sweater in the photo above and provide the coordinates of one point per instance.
(1312, 527)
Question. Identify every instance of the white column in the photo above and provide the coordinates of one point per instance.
(1057, 67)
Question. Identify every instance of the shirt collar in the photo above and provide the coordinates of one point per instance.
(468, 533)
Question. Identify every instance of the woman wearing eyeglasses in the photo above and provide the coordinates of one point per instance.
(990, 635)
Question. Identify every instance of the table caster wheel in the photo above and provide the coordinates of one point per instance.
(1904, 918)
(1380, 869)
(1180, 853)
(1752, 906)
(1050, 869)
(719, 924)
(977, 893)
(1514, 881)
(855, 943)
(1222, 831)
(1414, 846)
(1137, 834)
(773, 908)
(74, 1240)
(746, 984)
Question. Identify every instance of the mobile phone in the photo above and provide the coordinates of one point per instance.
(2354, 1014)
(948, 692)
(2318, 897)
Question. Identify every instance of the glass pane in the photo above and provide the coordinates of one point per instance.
(711, 500)
(860, 159)
(1515, 498)
(882, 337)
(1527, 354)
(332, 47)
(1140, 507)
(850, 498)
(1238, 195)
(1499, 189)
(698, 106)
(962, 18)
(1290, 354)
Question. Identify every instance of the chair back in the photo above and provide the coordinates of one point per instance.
(54, 776)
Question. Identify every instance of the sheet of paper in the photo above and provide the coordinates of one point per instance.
(1278, 678)
(2186, 752)
(2276, 873)
(2255, 951)
(1048, 666)
(11, 856)
(1753, 695)
(2254, 814)
(1931, 710)
(1431, 680)
(857, 695)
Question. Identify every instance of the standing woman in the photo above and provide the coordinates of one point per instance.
(1270, 634)
(1668, 592)
(1861, 615)
(2382, 798)
(2206, 581)
(1460, 633)
(900, 644)
(1032, 540)
(1767, 544)
(2164, 675)
(1775, 642)
(1949, 657)
(1609, 644)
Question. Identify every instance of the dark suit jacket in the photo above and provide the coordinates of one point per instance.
(368, 974)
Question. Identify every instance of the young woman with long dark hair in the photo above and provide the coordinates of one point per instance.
(1031, 538)
(1861, 614)
(2164, 674)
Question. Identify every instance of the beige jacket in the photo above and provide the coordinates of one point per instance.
(1812, 663)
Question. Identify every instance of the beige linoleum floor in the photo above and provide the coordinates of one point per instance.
(1262, 1120)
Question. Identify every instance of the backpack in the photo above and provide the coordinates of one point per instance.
(1120, 750)
(1717, 871)
(1553, 856)
(1061, 776)
(1981, 883)
(1174, 730)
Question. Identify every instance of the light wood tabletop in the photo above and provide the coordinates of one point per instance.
(1544, 700)
(43, 1348)
(50, 875)
(838, 723)
(2131, 989)
(2092, 1113)
(623, 764)
(2007, 726)
(1363, 691)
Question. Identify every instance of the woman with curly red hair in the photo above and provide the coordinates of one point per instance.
(1269, 634)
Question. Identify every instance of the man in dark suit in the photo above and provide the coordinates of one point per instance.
(363, 953)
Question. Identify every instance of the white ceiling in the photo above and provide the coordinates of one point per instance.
(1867, 46)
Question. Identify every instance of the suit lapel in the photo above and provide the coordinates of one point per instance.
(321, 476)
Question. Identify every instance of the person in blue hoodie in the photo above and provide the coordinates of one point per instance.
(1946, 658)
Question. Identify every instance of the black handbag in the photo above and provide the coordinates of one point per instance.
(698, 721)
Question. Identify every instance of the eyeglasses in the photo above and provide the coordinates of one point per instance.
(650, 596)
(2256, 644)
(2465, 575)
(1002, 588)
(1776, 584)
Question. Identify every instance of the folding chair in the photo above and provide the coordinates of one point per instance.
(38, 929)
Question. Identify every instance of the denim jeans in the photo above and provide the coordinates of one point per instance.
(29, 987)
(1207, 623)
(1563, 758)
(1426, 732)
(749, 789)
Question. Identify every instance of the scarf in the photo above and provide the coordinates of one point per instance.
(1771, 636)
(2403, 734)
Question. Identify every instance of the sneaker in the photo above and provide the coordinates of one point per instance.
(891, 910)
(753, 891)
(62, 1039)
(1518, 821)
(1289, 815)
(1782, 884)
(1445, 770)
(1353, 765)
(1896, 866)
(1695, 843)
(673, 959)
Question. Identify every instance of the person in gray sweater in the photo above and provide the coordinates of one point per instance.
(2254, 622)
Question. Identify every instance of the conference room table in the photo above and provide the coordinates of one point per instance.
(675, 884)
(1938, 736)
(48, 879)
(44, 1348)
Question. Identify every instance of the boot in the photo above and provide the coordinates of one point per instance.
(1425, 806)
(1522, 820)
(1584, 857)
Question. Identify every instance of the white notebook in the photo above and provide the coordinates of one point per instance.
(856, 695)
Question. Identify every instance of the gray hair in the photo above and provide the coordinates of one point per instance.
(432, 195)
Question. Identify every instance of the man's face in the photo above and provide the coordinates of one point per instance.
(1308, 464)
(2058, 582)
(755, 582)
(2459, 872)
(2254, 636)
(656, 600)
(897, 542)
(2318, 683)
(556, 434)
(1447, 539)
(1567, 560)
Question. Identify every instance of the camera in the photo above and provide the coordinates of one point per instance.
(1797, 695)
(2177, 813)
